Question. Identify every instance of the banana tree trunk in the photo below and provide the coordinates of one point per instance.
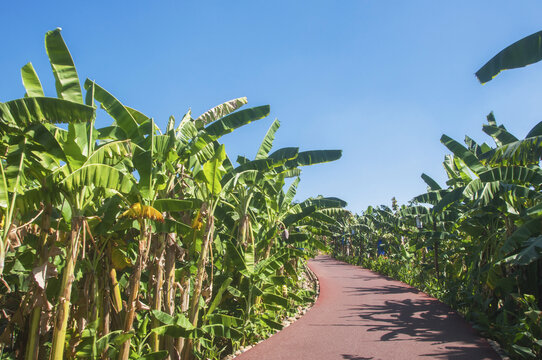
(63, 312)
(269, 247)
(435, 251)
(133, 290)
(185, 305)
(170, 257)
(198, 284)
(32, 347)
(436, 261)
(539, 277)
(106, 315)
(158, 289)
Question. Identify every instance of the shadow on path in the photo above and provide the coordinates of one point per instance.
(361, 315)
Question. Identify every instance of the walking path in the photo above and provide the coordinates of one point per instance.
(361, 315)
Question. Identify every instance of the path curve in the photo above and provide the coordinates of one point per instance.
(361, 315)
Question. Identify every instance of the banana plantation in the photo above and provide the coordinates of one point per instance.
(123, 240)
(475, 243)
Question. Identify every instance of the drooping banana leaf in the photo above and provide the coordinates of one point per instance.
(304, 209)
(532, 251)
(290, 173)
(335, 211)
(499, 134)
(483, 193)
(463, 153)
(115, 108)
(535, 131)
(110, 153)
(226, 125)
(431, 197)
(46, 141)
(111, 133)
(433, 185)
(414, 210)
(284, 154)
(519, 238)
(98, 175)
(261, 165)
(222, 110)
(312, 157)
(521, 152)
(513, 174)
(448, 199)
(521, 53)
(25, 111)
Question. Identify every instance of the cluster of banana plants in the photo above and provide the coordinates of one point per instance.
(477, 242)
(131, 241)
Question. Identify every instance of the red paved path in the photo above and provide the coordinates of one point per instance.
(361, 315)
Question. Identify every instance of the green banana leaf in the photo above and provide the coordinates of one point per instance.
(213, 171)
(31, 81)
(66, 78)
(284, 154)
(521, 53)
(218, 297)
(535, 131)
(233, 121)
(110, 153)
(513, 174)
(499, 134)
(433, 185)
(226, 125)
(306, 158)
(431, 197)
(173, 205)
(23, 112)
(267, 142)
(519, 238)
(463, 153)
(222, 110)
(521, 152)
(304, 209)
(532, 251)
(98, 175)
(122, 116)
(42, 137)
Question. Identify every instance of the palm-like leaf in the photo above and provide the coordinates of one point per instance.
(521, 53)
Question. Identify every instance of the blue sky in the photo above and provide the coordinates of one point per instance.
(381, 80)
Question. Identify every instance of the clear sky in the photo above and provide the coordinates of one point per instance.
(380, 79)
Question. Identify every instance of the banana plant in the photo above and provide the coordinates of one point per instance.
(129, 214)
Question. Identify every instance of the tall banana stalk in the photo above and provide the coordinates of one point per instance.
(32, 347)
(159, 260)
(63, 311)
(198, 284)
(140, 212)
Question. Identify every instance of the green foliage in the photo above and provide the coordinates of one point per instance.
(133, 242)
(476, 244)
